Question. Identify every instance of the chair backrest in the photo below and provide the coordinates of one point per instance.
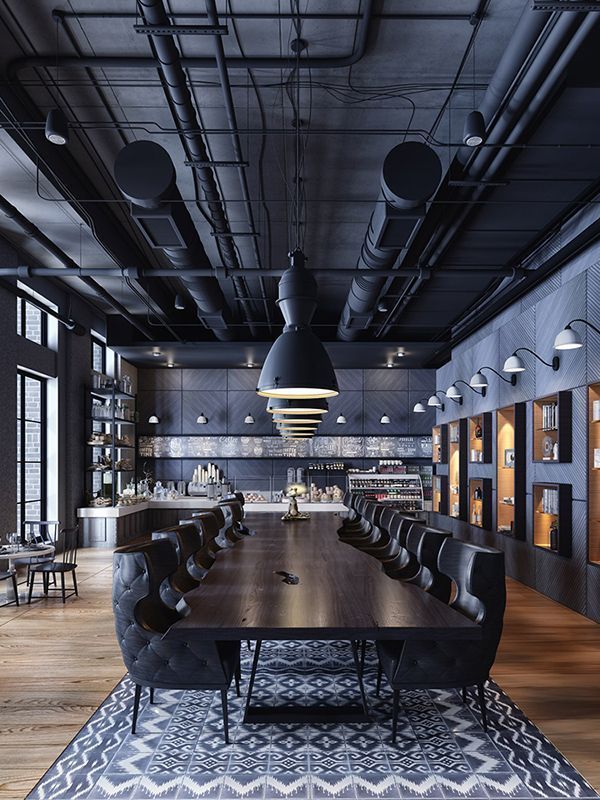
(387, 516)
(209, 525)
(239, 496)
(219, 514)
(235, 507)
(187, 542)
(68, 540)
(425, 544)
(196, 523)
(43, 531)
(347, 499)
(400, 525)
(478, 573)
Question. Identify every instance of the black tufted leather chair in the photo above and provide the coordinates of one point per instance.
(239, 496)
(187, 541)
(224, 518)
(478, 574)
(425, 544)
(405, 564)
(141, 620)
(234, 507)
(362, 531)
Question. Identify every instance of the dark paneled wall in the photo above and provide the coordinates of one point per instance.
(178, 396)
(534, 322)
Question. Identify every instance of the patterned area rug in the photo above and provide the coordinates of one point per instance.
(179, 752)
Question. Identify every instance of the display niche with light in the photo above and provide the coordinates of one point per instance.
(480, 502)
(480, 439)
(552, 517)
(594, 474)
(439, 437)
(457, 468)
(552, 428)
(511, 470)
(440, 494)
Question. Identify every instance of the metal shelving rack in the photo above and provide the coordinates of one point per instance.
(403, 491)
(117, 427)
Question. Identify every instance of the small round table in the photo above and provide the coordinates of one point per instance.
(13, 552)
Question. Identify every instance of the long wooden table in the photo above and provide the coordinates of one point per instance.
(342, 594)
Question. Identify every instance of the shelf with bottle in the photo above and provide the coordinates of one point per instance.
(440, 494)
(552, 428)
(480, 502)
(439, 440)
(552, 517)
(480, 438)
(457, 468)
(510, 470)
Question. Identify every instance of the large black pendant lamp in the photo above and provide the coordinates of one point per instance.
(297, 366)
(278, 405)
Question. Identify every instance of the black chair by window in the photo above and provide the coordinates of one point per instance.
(40, 532)
(64, 563)
(142, 619)
(10, 575)
(478, 574)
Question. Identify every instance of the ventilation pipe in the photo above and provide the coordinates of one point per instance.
(145, 175)
(180, 100)
(411, 174)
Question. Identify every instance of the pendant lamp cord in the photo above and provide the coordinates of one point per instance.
(298, 49)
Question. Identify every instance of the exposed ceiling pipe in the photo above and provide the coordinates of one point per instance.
(410, 175)
(32, 230)
(106, 62)
(211, 9)
(181, 103)
(145, 175)
(526, 91)
(70, 324)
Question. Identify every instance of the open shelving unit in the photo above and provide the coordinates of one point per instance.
(511, 470)
(401, 491)
(439, 439)
(440, 494)
(110, 440)
(480, 439)
(552, 517)
(457, 468)
(594, 474)
(552, 428)
(480, 503)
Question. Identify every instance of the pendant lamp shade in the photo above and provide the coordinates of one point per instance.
(474, 129)
(57, 127)
(153, 419)
(249, 419)
(299, 420)
(385, 420)
(297, 367)
(341, 420)
(278, 405)
(202, 419)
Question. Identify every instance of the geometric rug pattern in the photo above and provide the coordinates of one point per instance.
(179, 752)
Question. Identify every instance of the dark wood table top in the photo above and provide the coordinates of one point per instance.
(342, 593)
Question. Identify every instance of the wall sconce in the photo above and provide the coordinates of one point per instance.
(515, 363)
(435, 401)
(341, 420)
(385, 420)
(153, 419)
(248, 419)
(568, 339)
(455, 393)
(419, 408)
(202, 420)
(479, 381)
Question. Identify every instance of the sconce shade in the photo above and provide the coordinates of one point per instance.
(248, 419)
(385, 420)
(454, 392)
(434, 401)
(419, 408)
(568, 339)
(341, 420)
(202, 420)
(479, 381)
(514, 363)
(153, 419)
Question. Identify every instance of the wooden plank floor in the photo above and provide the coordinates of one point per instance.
(59, 663)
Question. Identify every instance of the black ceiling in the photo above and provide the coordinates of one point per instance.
(381, 73)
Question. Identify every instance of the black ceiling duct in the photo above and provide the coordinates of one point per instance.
(411, 174)
(145, 174)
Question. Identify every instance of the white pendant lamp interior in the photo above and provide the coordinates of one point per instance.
(248, 419)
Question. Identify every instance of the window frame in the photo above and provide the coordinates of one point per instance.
(98, 342)
(22, 503)
(22, 318)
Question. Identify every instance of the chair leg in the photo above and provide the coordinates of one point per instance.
(395, 710)
(238, 675)
(363, 654)
(15, 590)
(464, 694)
(151, 695)
(225, 717)
(45, 581)
(136, 706)
(75, 584)
(249, 646)
(62, 587)
(379, 676)
(481, 692)
(31, 582)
